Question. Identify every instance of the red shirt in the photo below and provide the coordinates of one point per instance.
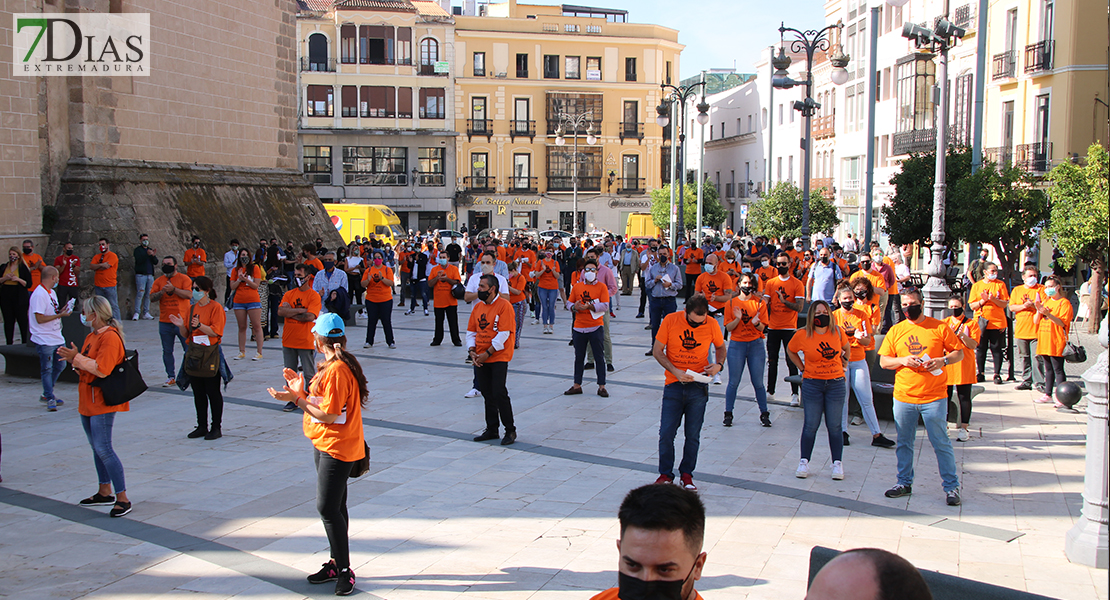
(68, 266)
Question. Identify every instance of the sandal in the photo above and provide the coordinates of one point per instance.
(98, 500)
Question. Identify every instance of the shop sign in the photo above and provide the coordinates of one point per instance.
(627, 203)
(508, 201)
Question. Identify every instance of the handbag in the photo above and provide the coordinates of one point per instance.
(124, 383)
(362, 465)
(201, 360)
(1074, 353)
(458, 291)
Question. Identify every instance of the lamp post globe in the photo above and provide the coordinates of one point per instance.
(839, 76)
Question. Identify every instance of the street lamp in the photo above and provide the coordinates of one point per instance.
(575, 121)
(679, 95)
(809, 41)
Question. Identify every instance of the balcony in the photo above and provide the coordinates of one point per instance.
(632, 131)
(963, 17)
(1000, 156)
(324, 65)
(1038, 57)
(631, 185)
(479, 127)
(520, 128)
(563, 183)
(553, 126)
(1005, 65)
(1035, 158)
(824, 127)
(431, 179)
(480, 183)
(523, 184)
(430, 71)
(816, 183)
(917, 140)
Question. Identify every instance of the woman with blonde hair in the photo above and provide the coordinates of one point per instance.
(101, 352)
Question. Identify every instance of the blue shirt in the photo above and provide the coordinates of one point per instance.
(655, 288)
(325, 284)
(824, 280)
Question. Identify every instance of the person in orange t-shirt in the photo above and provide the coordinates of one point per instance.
(745, 320)
(681, 347)
(105, 265)
(195, 258)
(919, 348)
(299, 307)
(172, 291)
(961, 375)
(989, 298)
(205, 326)
(866, 296)
(378, 281)
(821, 352)
(332, 403)
(715, 285)
(101, 351)
(518, 284)
(693, 258)
(784, 296)
(855, 319)
(404, 269)
(1053, 320)
(490, 335)
(1022, 300)
(587, 297)
(33, 262)
(441, 279)
(245, 279)
(546, 274)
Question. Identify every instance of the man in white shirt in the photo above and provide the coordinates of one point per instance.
(46, 334)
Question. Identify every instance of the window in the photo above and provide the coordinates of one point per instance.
(479, 64)
(851, 174)
(479, 171)
(429, 52)
(317, 164)
(630, 69)
(667, 73)
(550, 66)
(478, 123)
(573, 67)
(522, 172)
(521, 116)
(320, 99)
(524, 218)
(573, 104)
(377, 101)
(1040, 120)
(560, 169)
(630, 122)
(404, 45)
(710, 132)
(916, 74)
(404, 102)
(593, 68)
(349, 104)
(850, 102)
(790, 168)
(367, 165)
(375, 44)
(630, 173)
(432, 105)
(567, 220)
(778, 169)
(348, 45)
(432, 166)
(522, 66)
(318, 52)
(861, 105)
(961, 120)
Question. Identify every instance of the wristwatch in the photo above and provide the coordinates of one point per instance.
(945, 359)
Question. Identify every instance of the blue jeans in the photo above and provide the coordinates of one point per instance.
(547, 305)
(419, 288)
(50, 368)
(859, 379)
(169, 331)
(112, 296)
(754, 355)
(657, 309)
(935, 416)
(823, 398)
(142, 293)
(681, 401)
(109, 469)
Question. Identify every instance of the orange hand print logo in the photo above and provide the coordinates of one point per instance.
(827, 351)
(688, 340)
(482, 322)
(914, 346)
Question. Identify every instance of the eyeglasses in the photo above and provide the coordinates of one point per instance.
(782, 264)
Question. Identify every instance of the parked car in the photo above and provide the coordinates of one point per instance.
(446, 234)
(552, 234)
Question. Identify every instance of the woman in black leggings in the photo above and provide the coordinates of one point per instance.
(205, 325)
(1053, 320)
(332, 404)
(15, 281)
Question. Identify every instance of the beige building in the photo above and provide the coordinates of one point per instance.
(520, 68)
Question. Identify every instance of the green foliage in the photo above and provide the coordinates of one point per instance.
(908, 217)
(1079, 220)
(779, 213)
(712, 213)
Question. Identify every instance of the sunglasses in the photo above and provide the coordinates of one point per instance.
(196, 289)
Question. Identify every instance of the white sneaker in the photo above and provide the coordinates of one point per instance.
(473, 393)
(770, 397)
(962, 435)
(425, 312)
(393, 346)
(857, 421)
(837, 470)
(794, 401)
(240, 356)
(717, 379)
(366, 345)
(536, 322)
(135, 317)
(803, 469)
(148, 317)
(257, 356)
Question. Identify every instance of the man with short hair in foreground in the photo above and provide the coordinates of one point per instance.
(868, 574)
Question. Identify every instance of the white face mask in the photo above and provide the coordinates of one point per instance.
(991, 276)
(709, 267)
(766, 263)
(487, 268)
(590, 276)
(1030, 281)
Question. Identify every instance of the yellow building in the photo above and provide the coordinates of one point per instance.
(518, 68)
(1046, 99)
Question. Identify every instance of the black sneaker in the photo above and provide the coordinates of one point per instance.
(728, 418)
(487, 436)
(609, 367)
(883, 442)
(326, 574)
(122, 508)
(765, 419)
(997, 380)
(198, 432)
(1025, 385)
(1039, 387)
(588, 366)
(898, 491)
(980, 378)
(98, 500)
(847, 441)
(345, 583)
(214, 434)
(509, 439)
(648, 353)
(953, 497)
(289, 407)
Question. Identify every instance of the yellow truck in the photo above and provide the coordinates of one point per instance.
(641, 225)
(361, 220)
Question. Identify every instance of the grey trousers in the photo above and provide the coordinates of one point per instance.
(1025, 350)
(307, 358)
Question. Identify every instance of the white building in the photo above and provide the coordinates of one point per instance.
(734, 160)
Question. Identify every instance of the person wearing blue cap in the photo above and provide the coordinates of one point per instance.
(332, 403)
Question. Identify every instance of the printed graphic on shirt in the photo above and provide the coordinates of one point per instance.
(688, 340)
(914, 346)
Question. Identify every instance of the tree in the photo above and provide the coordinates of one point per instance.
(712, 213)
(779, 213)
(908, 218)
(1079, 221)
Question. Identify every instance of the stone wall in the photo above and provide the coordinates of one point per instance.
(20, 203)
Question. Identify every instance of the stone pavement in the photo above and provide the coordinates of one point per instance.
(440, 516)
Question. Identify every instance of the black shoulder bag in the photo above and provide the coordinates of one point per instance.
(124, 383)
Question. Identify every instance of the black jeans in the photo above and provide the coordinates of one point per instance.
(206, 392)
(643, 293)
(596, 341)
(1053, 373)
(491, 382)
(994, 339)
(452, 314)
(379, 311)
(271, 327)
(14, 303)
(777, 338)
(963, 395)
(331, 503)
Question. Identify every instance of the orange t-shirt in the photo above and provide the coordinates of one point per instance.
(192, 270)
(588, 292)
(488, 320)
(106, 348)
(745, 331)
(517, 283)
(995, 316)
(335, 390)
(963, 371)
(691, 258)
(172, 304)
(688, 347)
(105, 278)
(778, 315)
(441, 290)
(714, 284)
(874, 277)
(858, 318)
(822, 353)
(378, 291)
(911, 384)
(767, 273)
(245, 294)
(36, 275)
(549, 280)
(212, 315)
(732, 269)
(298, 334)
(503, 253)
(1024, 329)
(526, 254)
(315, 262)
(1051, 338)
(611, 594)
(403, 260)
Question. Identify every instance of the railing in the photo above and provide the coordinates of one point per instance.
(1038, 57)
(522, 73)
(326, 65)
(553, 126)
(849, 184)
(480, 183)
(631, 131)
(824, 127)
(825, 182)
(318, 178)
(479, 127)
(519, 183)
(430, 70)
(728, 191)
(1036, 158)
(1005, 65)
(631, 185)
(917, 140)
(431, 179)
(563, 183)
(1001, 156)
(368, 178)
(479, 72)
(521, 128)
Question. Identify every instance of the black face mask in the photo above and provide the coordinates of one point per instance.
(630, 588)
(168, 269)
(824, 260)
(664, 258)
(847, 306)
(694, 323)
(654, 249)
(27, 250)
(69, 252)
(745, 289)
(821, 320)
(913, 311)
(862, 295)
(783, 270)
(957, 312)
(865, 265)
(483, 295)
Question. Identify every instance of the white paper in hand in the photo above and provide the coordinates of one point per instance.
(69, 305)
(859, 334)
(935, 372)
(666, 279)
(597, 314)
(699, 377)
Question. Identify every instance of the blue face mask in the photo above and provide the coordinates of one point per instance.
(84, 321)
(197, 295)
(1050, 292)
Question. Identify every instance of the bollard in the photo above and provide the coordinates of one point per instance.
(1086, 542)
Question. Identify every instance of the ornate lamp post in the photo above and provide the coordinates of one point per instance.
(809, 41)
(575, 121)
(679, 95)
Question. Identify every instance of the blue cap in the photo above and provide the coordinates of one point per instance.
(329, 325)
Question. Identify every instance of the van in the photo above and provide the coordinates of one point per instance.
(361, 220)
(641, 225)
